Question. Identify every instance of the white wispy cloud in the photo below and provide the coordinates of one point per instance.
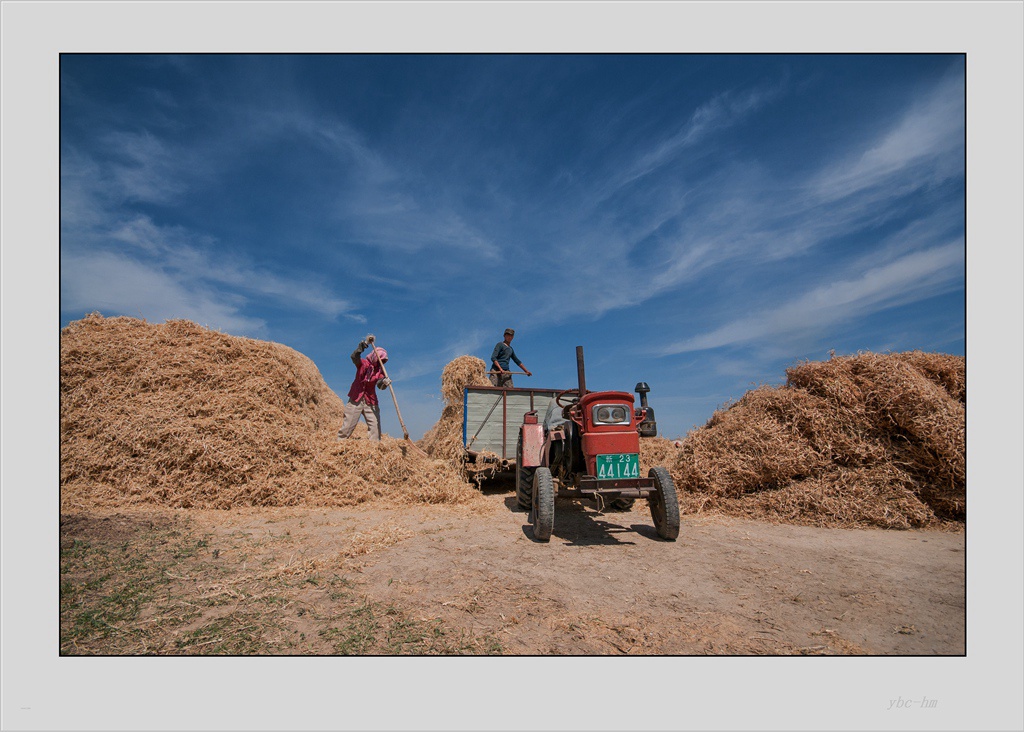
(744, 215)
(925, 140)
(111, 283)
(102, 190)
(907, 279)
(307, 293)
(340, 143)
(399, 224)
(163, 271)
(715, 115)
(473, 341)
(379, 200)
(143, 167)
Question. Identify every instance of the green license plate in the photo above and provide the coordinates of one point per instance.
(623, 465)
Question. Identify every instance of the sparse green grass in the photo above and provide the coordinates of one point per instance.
(371, 628)
(236, 634)
(102, 592)
(159, 588)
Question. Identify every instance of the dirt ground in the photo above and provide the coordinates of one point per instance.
(604, 584)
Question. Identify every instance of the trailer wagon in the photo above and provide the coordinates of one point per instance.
(492, 416)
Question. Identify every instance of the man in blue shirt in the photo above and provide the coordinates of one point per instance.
(499, 361)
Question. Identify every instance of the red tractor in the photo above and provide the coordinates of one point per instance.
(587, 446)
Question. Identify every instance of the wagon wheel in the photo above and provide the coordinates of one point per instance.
(543, 514)
(664, 504)
(524, 479)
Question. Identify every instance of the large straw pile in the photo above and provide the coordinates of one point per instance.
(178, 415)
(444, 439)
(860, 440)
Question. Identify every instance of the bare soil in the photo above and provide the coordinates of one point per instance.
(604, 584)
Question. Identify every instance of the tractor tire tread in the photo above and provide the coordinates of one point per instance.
(664, 504)
(543, 513)
(524, 480)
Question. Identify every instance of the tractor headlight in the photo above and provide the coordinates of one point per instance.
(611, 414)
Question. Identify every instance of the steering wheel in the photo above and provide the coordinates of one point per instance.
(559, 395)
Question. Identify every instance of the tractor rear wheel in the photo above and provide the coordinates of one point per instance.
(543, 514)
(664, 504)
(524, 480)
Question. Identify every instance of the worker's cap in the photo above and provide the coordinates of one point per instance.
(509, 331)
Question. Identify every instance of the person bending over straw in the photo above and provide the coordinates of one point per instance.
(362, 399)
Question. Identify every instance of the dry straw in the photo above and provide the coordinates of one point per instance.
(444, 439)
(656, 451)
(179, 415)
(869, 439)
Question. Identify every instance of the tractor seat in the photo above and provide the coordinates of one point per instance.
(553, 417)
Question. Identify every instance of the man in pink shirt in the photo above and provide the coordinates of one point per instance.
(362, 396)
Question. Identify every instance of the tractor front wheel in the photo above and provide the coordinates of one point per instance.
(664, 504)
(524, 480)
(543, 514)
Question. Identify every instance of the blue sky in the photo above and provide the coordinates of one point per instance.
(699, 222)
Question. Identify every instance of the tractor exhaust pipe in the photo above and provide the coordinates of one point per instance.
(580, 372)
(649, 427)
